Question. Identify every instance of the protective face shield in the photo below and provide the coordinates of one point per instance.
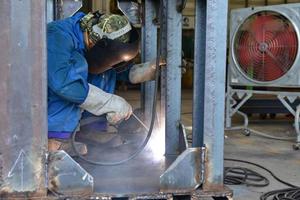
(108, 53)
(115, 41)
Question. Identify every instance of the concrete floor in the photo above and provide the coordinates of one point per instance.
(278, 156)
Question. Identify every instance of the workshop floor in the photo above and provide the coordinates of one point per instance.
(278, 156)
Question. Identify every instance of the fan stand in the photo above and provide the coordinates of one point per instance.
(232, 108)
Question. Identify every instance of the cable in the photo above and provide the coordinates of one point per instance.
(262, 167)
(292, 193)
(265, 135)
(283, 194)
(244, 176)
(153, 114)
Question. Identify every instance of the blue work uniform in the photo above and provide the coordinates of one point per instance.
(68, 76)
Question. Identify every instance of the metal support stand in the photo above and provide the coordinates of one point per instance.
(232, 107)
(214, 98)
(171, 75)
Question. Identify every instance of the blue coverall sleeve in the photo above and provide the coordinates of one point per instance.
(67, 68)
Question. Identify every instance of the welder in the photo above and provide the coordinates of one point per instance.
(87, 54)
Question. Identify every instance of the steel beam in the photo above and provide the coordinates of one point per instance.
(199, 73)
(23, 102)
(149, 50)
(215, 65)
(50, 11)
(171, 75)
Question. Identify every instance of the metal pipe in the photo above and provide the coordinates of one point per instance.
(23, 102)
(214, 99)
(199, 73)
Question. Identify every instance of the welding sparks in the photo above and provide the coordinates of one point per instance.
(157, 144)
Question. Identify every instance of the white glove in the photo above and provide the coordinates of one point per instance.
(99, 102)
(143, 72)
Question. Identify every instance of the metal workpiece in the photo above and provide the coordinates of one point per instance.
(199, 73)
(215, 65)
(23, 102)
(67, 178)
(149, 51)
(185, 173)
(183, 140)
(171, 75)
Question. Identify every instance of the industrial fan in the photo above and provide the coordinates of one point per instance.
(264, 46)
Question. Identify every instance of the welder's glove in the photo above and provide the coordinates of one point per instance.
(144, 72)
(99, 102)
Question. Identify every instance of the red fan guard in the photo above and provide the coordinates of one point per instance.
(266, 46)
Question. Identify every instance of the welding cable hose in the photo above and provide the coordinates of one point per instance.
(292, 193)
(244, 176)
(153, 114)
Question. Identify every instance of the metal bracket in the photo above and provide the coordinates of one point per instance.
(185, 173)
(243, 96)
(286, 100)
(67, 177)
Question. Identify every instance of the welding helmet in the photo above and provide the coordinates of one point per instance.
(116, 41)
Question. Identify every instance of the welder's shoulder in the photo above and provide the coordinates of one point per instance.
(59, 36)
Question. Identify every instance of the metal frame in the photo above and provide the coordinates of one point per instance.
(24, 143)
(171, 76)
(149, 40)
(214, 93)
(232, 107)
(23, 103)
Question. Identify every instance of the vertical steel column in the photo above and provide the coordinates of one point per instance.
(23, 88)
(149, 44)
(199, 73)
(214, 100)
(171, 74)
(50, 11)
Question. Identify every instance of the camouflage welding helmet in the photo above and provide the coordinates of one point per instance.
(116, 41)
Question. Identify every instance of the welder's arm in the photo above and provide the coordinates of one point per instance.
(143, 72)
(65, 67)
(99, 102)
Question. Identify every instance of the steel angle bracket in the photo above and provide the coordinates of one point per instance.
(66, 177)
(185, 173)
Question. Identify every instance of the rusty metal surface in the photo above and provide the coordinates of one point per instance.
(185, 173)
(197, 194)
(23, 124)
(67, 178)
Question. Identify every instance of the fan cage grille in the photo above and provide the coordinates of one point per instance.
(265, 46)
